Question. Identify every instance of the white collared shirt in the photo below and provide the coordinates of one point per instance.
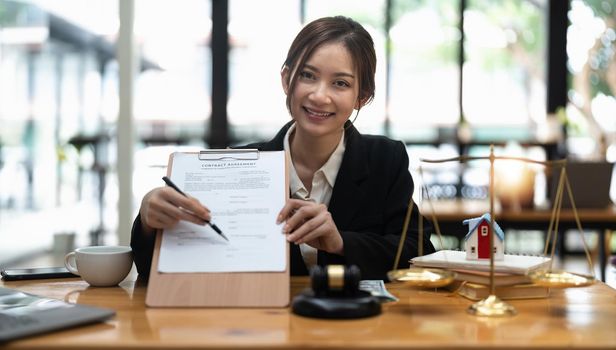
(322, 186)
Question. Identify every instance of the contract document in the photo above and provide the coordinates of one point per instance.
(245, 191)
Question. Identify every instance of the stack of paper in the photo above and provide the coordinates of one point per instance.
(483, 277)
(474, 291)
(473, 276)
(456, 260)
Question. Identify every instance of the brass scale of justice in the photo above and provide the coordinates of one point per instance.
(492, 305)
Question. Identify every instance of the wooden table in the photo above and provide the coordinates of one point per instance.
(422, 319)
(451, 213)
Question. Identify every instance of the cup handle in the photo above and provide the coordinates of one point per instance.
(70, 263)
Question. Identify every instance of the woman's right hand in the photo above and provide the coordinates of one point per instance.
(163, 207)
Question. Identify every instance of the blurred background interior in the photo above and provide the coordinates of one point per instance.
(95, 94)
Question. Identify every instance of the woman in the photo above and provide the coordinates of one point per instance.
(349, 192)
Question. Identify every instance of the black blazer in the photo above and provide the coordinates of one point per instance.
(368, 205)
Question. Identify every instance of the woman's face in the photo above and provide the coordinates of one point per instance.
(326, 92)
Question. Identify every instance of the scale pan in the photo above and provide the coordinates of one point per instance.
(422, 277)
(560, 279)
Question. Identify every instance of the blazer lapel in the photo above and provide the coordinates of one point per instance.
(347, 189)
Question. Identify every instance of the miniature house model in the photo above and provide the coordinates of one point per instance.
(477, 240)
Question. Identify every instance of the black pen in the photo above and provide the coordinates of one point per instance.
(175, 187)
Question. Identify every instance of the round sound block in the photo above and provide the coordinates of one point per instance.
(336, 306)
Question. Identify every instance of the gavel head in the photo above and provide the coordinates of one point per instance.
(335, 280)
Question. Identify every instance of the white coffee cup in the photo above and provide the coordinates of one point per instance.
(100, 266)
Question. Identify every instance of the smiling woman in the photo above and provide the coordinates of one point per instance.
(325, 95)
(349, 191)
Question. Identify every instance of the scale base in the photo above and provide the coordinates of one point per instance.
(491, 306)
(363, 304)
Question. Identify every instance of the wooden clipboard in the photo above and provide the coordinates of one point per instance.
(233, 289)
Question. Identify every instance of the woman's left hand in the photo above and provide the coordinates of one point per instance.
(311, 223)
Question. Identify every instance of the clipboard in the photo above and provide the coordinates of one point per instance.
(220, 289)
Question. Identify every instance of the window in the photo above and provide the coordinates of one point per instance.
(258, 47)
(424, 77)
(418, 80)
(591, 43)
(504, 73)
(172, 104)
(56, 62)
(484, 230)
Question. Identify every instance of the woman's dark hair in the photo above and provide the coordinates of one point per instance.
(334, 29)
